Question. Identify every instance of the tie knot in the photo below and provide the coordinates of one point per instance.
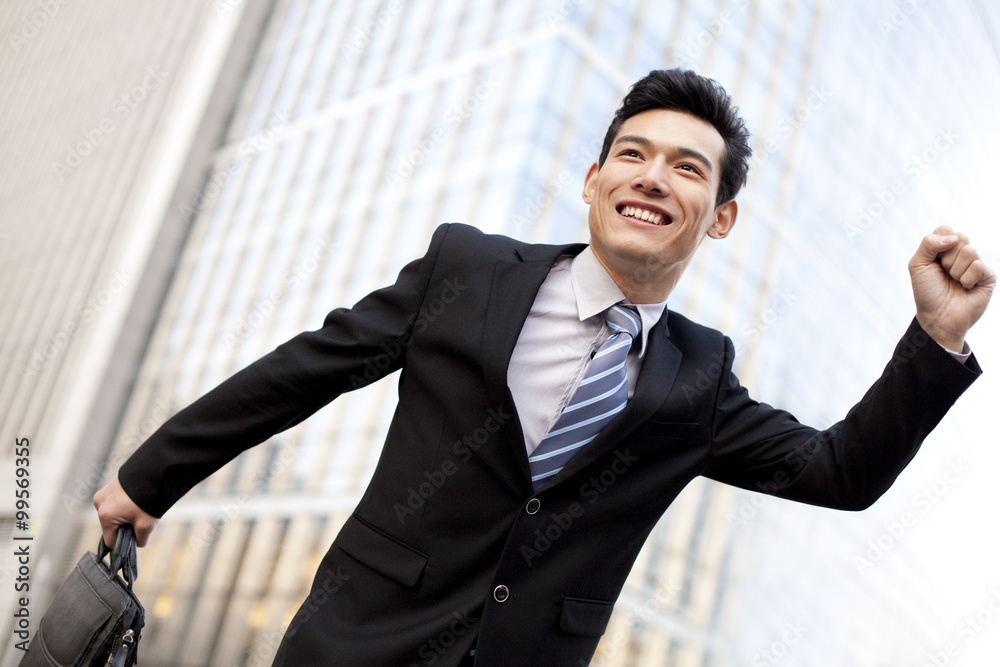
(624, 319)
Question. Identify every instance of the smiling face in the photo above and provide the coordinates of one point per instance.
(653, 201)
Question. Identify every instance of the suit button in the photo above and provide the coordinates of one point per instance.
(533, 505)
(501, 593)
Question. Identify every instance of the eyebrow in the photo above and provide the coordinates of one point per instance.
(681, 150)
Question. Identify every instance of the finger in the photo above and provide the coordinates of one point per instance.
(957, 261)
(110, 536)
(143, 528)
(978, 273)
(930, 247)
(109, 528)
(950, 256)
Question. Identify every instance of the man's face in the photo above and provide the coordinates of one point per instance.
(653, 201)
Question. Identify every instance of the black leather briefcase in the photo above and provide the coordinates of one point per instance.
(94, 618)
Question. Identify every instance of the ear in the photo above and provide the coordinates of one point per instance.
(725, 220)
(590, 183)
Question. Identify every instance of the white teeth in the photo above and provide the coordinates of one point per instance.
(641, 214)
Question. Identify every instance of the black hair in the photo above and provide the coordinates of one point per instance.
(701, 97)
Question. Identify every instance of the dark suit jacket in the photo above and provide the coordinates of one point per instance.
(449, 542)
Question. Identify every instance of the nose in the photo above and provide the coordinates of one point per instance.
(652, 179)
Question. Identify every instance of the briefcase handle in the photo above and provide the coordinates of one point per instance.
(123, 555)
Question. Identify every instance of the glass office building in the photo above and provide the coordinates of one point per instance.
(358, 127)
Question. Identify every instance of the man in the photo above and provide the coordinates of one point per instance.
(519, 551)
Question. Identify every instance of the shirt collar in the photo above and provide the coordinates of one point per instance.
(596, 291)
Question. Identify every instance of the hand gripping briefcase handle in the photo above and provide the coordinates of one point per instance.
(94, 618)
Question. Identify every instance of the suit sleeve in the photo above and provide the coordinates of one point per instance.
(851, 464)
(353, 348)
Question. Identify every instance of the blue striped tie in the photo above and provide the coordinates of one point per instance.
(601, 394)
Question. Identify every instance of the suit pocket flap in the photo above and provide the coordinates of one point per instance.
(381, 552)
(585, 618)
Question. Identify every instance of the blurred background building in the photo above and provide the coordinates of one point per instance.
(186, 185)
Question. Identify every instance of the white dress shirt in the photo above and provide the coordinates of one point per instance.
(564, 328)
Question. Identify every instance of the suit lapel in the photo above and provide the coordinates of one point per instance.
(515, 285)
(659, 371)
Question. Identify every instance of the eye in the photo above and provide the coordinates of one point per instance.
(630, 152)
(691, 168)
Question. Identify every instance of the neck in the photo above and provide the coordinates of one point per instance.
(645, 283)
